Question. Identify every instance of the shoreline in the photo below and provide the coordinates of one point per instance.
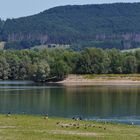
(101, 80)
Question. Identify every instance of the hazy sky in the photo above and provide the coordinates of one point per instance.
(18, 8)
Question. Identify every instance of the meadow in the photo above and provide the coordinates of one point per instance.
(23, 127)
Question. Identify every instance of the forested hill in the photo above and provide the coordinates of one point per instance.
(106, 26)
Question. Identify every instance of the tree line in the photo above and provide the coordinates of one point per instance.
(56, 64)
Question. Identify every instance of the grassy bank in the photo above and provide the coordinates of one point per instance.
(133, 77)
(102, 79)
(17, 127)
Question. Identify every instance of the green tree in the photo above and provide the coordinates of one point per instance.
(4, 69)
(41, 71)
(93, 60)
(130, 64)
(137, 55)
(59, 70)
(13, 61)
(116, 59)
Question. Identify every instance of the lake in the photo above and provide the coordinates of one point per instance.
(102, 103)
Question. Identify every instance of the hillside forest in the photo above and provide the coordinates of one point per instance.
(100, 25)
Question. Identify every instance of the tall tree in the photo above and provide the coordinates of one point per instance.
(41, 71)
(130, 64)
(4, 68)
(116, 59)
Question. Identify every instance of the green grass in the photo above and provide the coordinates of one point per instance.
(18, 127)
(133, 77)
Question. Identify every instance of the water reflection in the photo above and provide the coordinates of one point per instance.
(92, 102)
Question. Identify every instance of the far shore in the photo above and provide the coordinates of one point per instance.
(108, 79)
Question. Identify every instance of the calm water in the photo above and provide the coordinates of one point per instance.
(102, 103)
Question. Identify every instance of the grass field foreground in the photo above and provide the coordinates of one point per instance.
(22, 127)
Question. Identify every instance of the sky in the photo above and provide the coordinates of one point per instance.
(19, 8)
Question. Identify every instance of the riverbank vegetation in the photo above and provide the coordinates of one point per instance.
(56, 64)
(15, 127)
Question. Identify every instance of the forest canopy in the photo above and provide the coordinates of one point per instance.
(103, 26)
(55, 64)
